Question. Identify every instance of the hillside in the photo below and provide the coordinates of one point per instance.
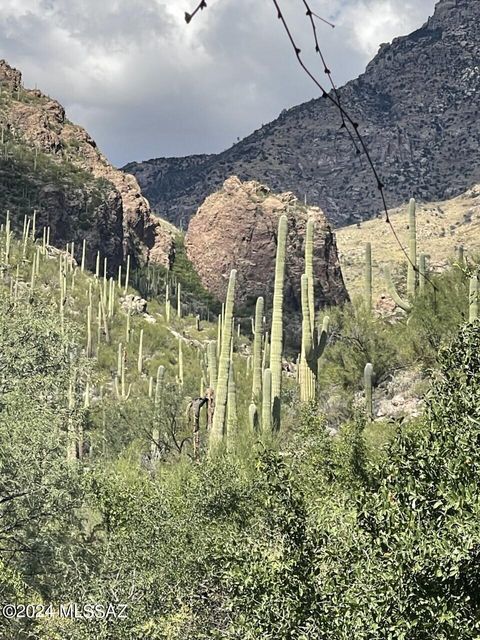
(54, 166)
(442, 227)
(117, 487)
(417, 106)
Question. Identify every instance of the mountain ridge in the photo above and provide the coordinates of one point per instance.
(74, 188)
(412, 120)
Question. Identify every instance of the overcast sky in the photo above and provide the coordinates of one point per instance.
(145, 84)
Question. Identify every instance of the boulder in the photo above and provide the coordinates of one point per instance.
(135, 305)
(236, 227)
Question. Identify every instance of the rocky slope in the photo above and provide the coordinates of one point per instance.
(236, 227)
(417, 106)
(52, 165)
(442, 227)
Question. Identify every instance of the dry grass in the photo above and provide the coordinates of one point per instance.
(441, 228)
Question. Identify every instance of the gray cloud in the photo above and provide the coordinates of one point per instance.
(144, 84)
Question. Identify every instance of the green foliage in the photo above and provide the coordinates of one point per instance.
(436, 315)
(370, 532)
(151, 283)
(39, 491)
(357, 337)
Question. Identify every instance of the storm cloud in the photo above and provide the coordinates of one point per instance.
(145, 84)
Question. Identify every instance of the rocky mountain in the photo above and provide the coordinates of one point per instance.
(236, 227)
(417, 105)
(49, 164)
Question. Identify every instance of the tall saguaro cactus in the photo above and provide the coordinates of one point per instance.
(232, 418)
(218, 426)
(276, 347)
(313, 340)
(212, 364)
(309, 269)
(257, 350)
(267, 401)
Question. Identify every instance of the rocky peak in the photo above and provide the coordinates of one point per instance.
(39, 121)
(10, 77)
(416, 105)
(236, 227)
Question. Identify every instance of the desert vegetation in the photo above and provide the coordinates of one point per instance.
(155, 456)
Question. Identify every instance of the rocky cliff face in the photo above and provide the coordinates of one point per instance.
(417, 106)
(236, 227)
(70, 182)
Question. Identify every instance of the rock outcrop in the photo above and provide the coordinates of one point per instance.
(417, 107)
(30, 118)
(237, 228)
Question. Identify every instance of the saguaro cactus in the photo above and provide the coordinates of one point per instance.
(84, 253)
(267, 401)
(276, 348)
(232, 419)
(253, 416)
(140, 353)
(212, 364)
(121, 390)
(179, 300)
(219, 334)
(257, 350)
(218, 426)
(180, 362)
(167, 302)
(313, 345)
(127, 276)
(309, 269)
(157, 411)
(313, 340)
(266, 353)
(89, 349)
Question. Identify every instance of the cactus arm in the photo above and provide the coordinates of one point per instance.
(257, 350)
(400, 302)
(323, 338)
